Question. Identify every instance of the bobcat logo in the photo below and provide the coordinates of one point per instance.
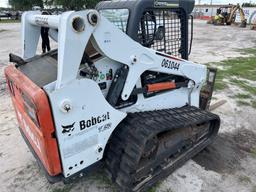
(68, 128)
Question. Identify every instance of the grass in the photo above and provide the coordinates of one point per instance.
(244, 86)
(242, 102)
(241, 67)
(154, 189)
(253, 152)
(238, 71)
(254, 188)
(244, 179)
(101, 177)
(253, 104)
(66, 188)
(9, 21)
(2, 30)
(243, 96)
(214, 98)
(219, 85)
(246, 51)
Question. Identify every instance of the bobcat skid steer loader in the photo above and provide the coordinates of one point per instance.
(118, 89)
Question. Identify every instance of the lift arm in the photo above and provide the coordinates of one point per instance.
(75, 29)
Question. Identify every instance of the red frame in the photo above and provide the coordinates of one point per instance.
(41, 138)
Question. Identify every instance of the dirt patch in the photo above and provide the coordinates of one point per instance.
(224, 155)
(2, 87)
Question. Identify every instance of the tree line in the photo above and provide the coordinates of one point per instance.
(65, 4)
(248, 5)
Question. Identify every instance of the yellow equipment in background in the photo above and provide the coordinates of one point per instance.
(227, 15)
(232, 16)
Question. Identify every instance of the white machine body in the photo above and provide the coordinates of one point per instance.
(78, 103)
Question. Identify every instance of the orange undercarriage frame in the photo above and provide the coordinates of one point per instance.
(40, 135)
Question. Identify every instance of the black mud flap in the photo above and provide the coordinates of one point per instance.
(207, 90)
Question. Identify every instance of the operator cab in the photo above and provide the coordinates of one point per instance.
(162, 25)
(158, 24)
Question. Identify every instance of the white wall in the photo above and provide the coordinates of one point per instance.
(208, 11)
(4, 3)
(250, 14)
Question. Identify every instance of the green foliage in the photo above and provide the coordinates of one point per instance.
(249, 5)
(74, 4)
(66, 4)
(25, 4)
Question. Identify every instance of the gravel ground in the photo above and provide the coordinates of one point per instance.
(227, 165)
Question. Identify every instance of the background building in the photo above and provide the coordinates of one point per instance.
(206, 11)
(4, 4)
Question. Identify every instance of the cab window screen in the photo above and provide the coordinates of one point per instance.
(168, 35)
(118, 17)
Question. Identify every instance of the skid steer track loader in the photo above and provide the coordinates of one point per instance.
(118, 89)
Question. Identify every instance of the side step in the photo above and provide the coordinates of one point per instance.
(126, 148)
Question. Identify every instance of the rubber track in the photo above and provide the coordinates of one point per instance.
(127, 142)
